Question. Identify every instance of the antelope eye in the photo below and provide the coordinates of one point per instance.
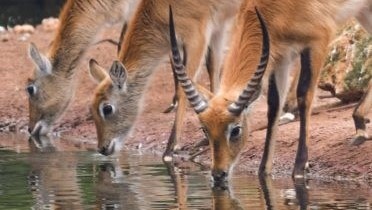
(31, 90)
(235, 132)
(107, 109)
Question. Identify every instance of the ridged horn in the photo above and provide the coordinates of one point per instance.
(251, 92)
(195, 99)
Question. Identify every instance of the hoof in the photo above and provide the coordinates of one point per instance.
(301, 172)
(359, 140)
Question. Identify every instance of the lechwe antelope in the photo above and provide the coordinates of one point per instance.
(116, 103)
(296, 28)
(52, 86)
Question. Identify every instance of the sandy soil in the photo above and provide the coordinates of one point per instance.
(331, 155)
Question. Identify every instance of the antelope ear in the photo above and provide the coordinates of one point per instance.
(97, 73)
(42, 62)
(118, 75)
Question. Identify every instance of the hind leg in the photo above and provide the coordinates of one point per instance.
(277, 91)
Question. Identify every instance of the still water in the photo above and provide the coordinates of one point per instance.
(40, 175)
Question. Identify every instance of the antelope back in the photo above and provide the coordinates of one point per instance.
(222, 118)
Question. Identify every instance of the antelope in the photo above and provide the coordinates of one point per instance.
(52, 85)
(297, 28)
(54, 184)
(117, 99)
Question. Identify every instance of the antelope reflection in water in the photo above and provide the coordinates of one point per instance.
(53, 178)
(122, 186)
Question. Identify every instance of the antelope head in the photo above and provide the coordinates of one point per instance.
(49, 94)
(114, 106)
(223, 121)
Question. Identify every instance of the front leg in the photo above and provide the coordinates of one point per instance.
(364, 106)
(277, 92)
(175, 99)
(311, 61)
(272, 117)
(193, 56)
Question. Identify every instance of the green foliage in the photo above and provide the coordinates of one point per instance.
(361, 73)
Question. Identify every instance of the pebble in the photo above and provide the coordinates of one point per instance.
(50, 24)
(287, 117)
(22, 29)
(2, 29)
(24, 37)
(4, 37)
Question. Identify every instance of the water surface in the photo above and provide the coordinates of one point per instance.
(41, 175)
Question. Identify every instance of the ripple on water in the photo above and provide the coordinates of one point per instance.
(86, 180)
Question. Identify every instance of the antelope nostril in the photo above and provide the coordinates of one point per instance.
(29, 129)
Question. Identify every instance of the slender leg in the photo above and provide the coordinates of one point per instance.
(268, 192)
(311, 61)
(179, 184)
(364, 106)
(174, 103)
(302, 193)
(273, 110)
(193, 58)
(277, 91)
(291, 102)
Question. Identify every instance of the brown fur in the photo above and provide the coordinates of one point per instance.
(80, 22)
(146, 46)
(294, 26)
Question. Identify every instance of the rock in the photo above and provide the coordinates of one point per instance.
(50, 24)
(287, 117)
(2, 29)
(348, 66)
(22, 29)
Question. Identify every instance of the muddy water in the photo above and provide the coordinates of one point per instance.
(37, 174)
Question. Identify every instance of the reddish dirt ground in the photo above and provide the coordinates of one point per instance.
(330, 152)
